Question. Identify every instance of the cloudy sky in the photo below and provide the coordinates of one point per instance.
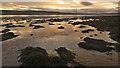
(73, 6)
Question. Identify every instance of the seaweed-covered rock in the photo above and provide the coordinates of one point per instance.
(81, 26)
(61, 27)
(7, 36)
(38, 26)
(5, 30)
(7, 24)
(31, 56)
(20, 23)
(10, 26)
(31, 34)
(94, 44)
(39, 21)
(65, 54)
(37, 57)
(70, 22)
(51, 24)
(96, 34)
(31, 24)
(76, 30)
(77, 23)
(56, 20)
(91, 36)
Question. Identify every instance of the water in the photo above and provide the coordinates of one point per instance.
(51, 38)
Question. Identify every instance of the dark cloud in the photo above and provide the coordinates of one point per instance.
(86, 3)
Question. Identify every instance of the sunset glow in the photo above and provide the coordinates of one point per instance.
(63, 4)
(75, 1)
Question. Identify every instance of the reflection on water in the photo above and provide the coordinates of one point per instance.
(51, 38)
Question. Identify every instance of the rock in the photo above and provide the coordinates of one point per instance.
(56, 20)
(32, 56)
(76, 30)
(70, 22)
(51, 24)
(94, 44)
(95, 34)
(31, 34)
(36, 56)
(7, 24)
(31, 24)
(21, 26)
(61, 27)
(76, 23)
(87, 31)
(81, 26)
(100, 32)
(10, 26)
(5, 30)
(40, 21)
(109, 53)
(7, 36)
(65, 54)
(38, 26)
(20, 23)
(106, 23)
(91, 36)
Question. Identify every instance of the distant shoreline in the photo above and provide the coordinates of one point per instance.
(48, 16)
(15, 12)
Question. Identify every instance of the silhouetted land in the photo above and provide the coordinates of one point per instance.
(30, 12)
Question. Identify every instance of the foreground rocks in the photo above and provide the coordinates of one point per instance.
(5, 30)
(10, 25)
(36, 56)
(97, 45)
(7, 36)
(6, 24)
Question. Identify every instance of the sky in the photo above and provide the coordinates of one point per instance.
(71, 6)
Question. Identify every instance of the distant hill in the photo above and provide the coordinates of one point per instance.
(30, 12)
(14, 12)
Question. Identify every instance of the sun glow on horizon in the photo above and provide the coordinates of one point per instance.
(6, 9)
(10, 3)
(51, 7)
(75, 1)
(111, 6)
(61, 2)
(107, 3)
